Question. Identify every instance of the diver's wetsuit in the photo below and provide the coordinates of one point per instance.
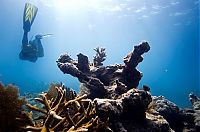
(31, 50)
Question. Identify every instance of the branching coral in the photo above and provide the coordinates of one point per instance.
(99, 57)
(52, 92)
(60, 114)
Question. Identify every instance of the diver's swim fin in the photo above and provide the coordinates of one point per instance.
(30, 12)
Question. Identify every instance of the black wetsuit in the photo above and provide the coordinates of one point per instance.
(31, 50)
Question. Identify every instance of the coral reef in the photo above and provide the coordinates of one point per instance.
(109, 100)
(115, 94)
(113, 89)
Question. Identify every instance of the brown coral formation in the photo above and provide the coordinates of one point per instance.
(75, 113)
(10, 108)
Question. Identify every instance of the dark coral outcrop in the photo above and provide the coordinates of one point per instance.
(128, 113)
(179, 119)
(98, 81)
(131, 76)
(196, 106)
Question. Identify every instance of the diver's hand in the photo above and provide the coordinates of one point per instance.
(28, 45)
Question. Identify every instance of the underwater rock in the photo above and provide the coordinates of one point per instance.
(83, 63)
(98, 81)
(169, 111)
(196, 106)
(131, 75)
(94, 89)
(128, 113)
(179, 119)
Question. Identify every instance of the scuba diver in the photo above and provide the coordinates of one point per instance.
(32, 49)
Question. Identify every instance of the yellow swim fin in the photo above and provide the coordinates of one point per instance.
(30, 12)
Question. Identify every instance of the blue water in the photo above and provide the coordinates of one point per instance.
(170, 68)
